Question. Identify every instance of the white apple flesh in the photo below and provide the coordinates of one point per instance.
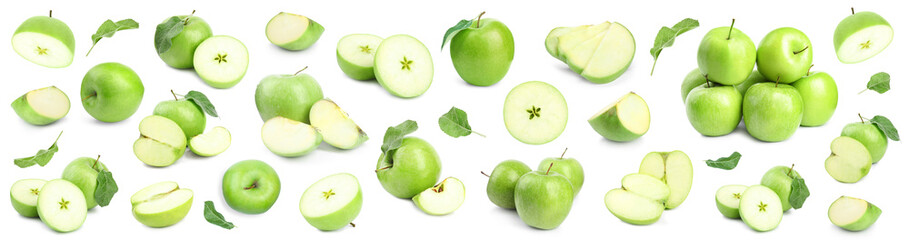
(45, 41)
(441, 199)
(357, 54)
(24, 196)
(61, 206)
(612, 56)
(633, 208)
(293, 32)
(161, 141)
(849, 160)
(289, 138)
(673, 168)
(162, 204)
(211, 143)
(552, 39)
(853, 214)
(336, 128)
(403, 66)
(861, 36)
(647, 186)
(42, 106)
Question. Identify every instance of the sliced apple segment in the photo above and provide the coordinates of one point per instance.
(336, 128)
(633, 208)
(728, 198)
(577, 36)
(625, 120)
(552, 39)
(332, 202)
(42, 106)
(24, 196)
(578, 56)
(61, 206)
(646, 186)
(161, 204)
(441, 199)
(357, 54)
(612, 56)
(292, 31)
(161, 141)
(849, 160)
(289, 138)
(760, 208)
(211, 143)
(861, 36)
(853, 214)
(403, 66)
(535, 112)
(673, 168)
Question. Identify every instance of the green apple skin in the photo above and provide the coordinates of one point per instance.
(872, 212)
(25, 111)
(286, 95)
(543, 200)
(313, 31)
(183, 46)
(111, 92)
(752, 79)
(691, 81)
(482, 55)
(785, 53)
(52, 27)
(567, 167)
(715, 110)
(410, 169)
(779, 179)
(869, 135)
(251, 186)
(185, 113)
(83, 172)
(772, 112)
(855, 23)
(819, 93)
(502, 181)
(726, 58)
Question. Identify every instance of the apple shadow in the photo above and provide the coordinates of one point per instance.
(329, 148)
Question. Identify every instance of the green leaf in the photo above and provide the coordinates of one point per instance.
(202, 101)
(798, 192)
(886, 126)
(109, 27)
(666, 37)
(105, 188)
(41, 158)
(463, 24)
(394, 135)
(166, 31)
(454, 123)
(880, 82)
(214, 217)
(727, 163)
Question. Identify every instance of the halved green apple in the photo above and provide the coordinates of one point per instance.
(357, 54)
(861, 36)
(221, 61)
(625, 120)
(403, 66)
(293, 32)
(760, 208)
(728, 198)
(61, 206)
(673, 168)
(42, 106)
(441, 199)
(853, 214)
(24, 196)
(336, 128)
(161, 141)
(289, 138)
(45, 41)
(332, 202)
(535, 112)
(633, 208)
(612, 56)
(849, 160)
(161, 204)
(211, 143)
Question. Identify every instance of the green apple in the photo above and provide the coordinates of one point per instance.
(726, 55)
(779, 179)
(441, 199)
(869, 135)
(535, 112)
(332, 202)
(849, 160)
(336, 128)
(410, 169)
(612, 56)
(633, 208)
(184, 44)
(61, 206)
(161, 204)
(625, 120)
(819, 93)
(221, 61)
(293, 32)
(568, 167)
(543, 199)
(111, 92)
(785, 53)
(673, 168)
(728, 198)
(24, 196)
(289, 138)
(760, 208)
(45, 41)
(691, 81)
(482, 53)
(160, 143)
(250, 186)
(185, 113)
(772, 111)
(752, 79)
(287, 95)
(83, 172)
(552, 39)
(357, 55)
(853, 214)
(502, 181)
(42, 106)
(211, 143)
(714, 110)
(860, 36)
(403, 66)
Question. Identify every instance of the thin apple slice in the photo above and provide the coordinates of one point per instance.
(441, 199)
(403, 66)
(61, 206)
(24, 196)
(221, 61)
(612, 57)
(535, 112)
(625, 120)
(633, 208)
(161, 141)
(552, 39)
(728, 198)
(849, 160)
(357, 54)
(42, 106)
(646, 186)
(674, 168)
(861, 36)
(289, 138)
(332, 202)
(336, 128)
(161, 204)
(211, 143)
(853, 214)
(292, 31)
(578, 57)
(574, 38)
(760, 208)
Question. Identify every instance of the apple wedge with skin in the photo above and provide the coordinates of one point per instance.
(625, 120)
(441, 199)
(760, 208)
(578, 56)
(578, 35)
(293, 32)
(673, 168)
(332, 202)
(289, 138)
(357, 54)
(849, 160)
(552, 39)
(612, 56)
(853, 214)
(24, 196)
(403, 66)
(861, 36)
(161, 141)
(633, 208)
(42, 106)
(221, 61)
(161, 204)
(728, 198)
(535, 112)
(335, 126)
(45, 41)
(211, 143)
(61, 206)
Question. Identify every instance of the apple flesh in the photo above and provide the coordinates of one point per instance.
(357, 55)
(673, 168)
(625, 120)
(633, 208)
(869, 135)
(250, 186)
(332, 202)
(849, 160)
(61, 206)
(287, 95)
(410, 169)
(42, 106)
(221, 61)
(293, 32)
(646, 186)
(83, 172)
(482, 53)
(336, 128)
(760, 208)
(24, 196)
(161, 204)
(441, 199)
(183, 46)
(502, 181)
(403, 66)
(211, 143)
(853, 214)
(819, 93)
(612, 56)
(45, 41)
(111, 92)
(552, 40)
(578, 35)
(861, 36)
(535, 112)
(289, 138)
(728, 198)
(161, 141)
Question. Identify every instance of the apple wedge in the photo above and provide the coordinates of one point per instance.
(45, 41)
(578, 56)
(336, 128)
(612, 56)
(673, 168)
(161, 204)
(728, 198)
(161, 141)
(646, 186)
(861, 36)
(552, 39)
(293, 32)
(535, 112)
(578, 35)
(61, 206)
(849, 160)
(625, 120)
(42, 106)
(332, 202)
(853, 214)
(403, 66)
(633, 208)
(760, 208)
(357, 54)
(221, 61)
(24, 196)
(441, 199)
(289, 138)
(211, 143)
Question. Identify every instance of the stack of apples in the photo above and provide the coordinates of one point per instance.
(663, 182)
(600, 53)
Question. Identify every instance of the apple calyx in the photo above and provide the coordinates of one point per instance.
(478, 18)
(301, 70)
(534, 111)
(729, 36)
(254, 185)
(328, 194)
(800, 51)
(64, 205)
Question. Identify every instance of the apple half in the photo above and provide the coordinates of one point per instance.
(293, 32)
(403, 66)
(161, 141)
(849, 160)
(535, 112)
(633, 208)
(760, 208)
(336, 128)
(853, 214)
(45, 41)
(861, 36)
(42, 106)
(673, 168)
(210, 143)
(161, 204)
(441, 199)
(289, 138)
(61, 206)
(221, 61)
(728, 198)
(357, 54)
(332, 202)
(24, 196)
(625, 120)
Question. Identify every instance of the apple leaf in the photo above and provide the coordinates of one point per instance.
(108, 28)
(166, 31)
(666, 37)
(880, 82)
(454, 123)
(463, 24)
(884, 124)
(214, 217)
(798, 192)
(727, 163)
(105, 188)
(202, 101)
(395, 135)
(41, 158)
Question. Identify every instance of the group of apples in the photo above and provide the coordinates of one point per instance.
(411, 172)
(663, 182)
(600, 53)
(400, 63)
(760, 206)
(62, 204)
(186, 41)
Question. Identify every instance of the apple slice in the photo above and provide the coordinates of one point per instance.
(646, 186)
(674, 169)
(535, 112)
(849, 160)
(357, 55)
(612, 57)
(42, 106)
(860, 36)
(441, 199)
(161, 204)
(211, 143)
(24, 196)
(625, 120)
(336, 128)
(161, 141)
(728, 198)
(45, 41)
(332, 202)
(289, 138)
(552, 39)
(221, 61)
(578, 56)
(853, 214)
(293, 32)
(403, 66)
(577, 36)
(633, 208)
(61, 206)
(760, 208)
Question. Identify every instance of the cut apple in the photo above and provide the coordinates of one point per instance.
(42, 106)
(45, 41)
(161, 141)
(728, 198)
(552, 39)
(861, 36)
(578, 56)
(211, 143)
(441, 199)
(293, 32)
(853, 214)
(578, 35)
(673, 168)
(61, 206)
(633, 208)
(646, 186)
(221, 61)
(849, 160)
(289, 138)
(625, 120)
(24, 196)
(612, 56)
(332, 202)
(336, 128)
(161, 204)
(357, 54)
(760, 208)
(535, 112)
(403, 66)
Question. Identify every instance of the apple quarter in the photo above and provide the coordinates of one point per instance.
(162, 204)
(211, 143)
(441, 199)
(289, 138)
(625, 120)
(42, 106)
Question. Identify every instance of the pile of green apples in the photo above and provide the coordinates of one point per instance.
(542, 198)
(600, 53)
(400, 63)
(860, 145)
(663, 182)
(411, 172)
(186, 41)
(760, 206)
(175, 126)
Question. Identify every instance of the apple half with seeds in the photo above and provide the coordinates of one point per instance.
(625, 120)
(441, 199)
(289, 138)
(42, 106)
(336, 128)
(357, 54)
(853, 214)
(161, 204)
(535, 112)
(45, 41)
(61, 206)
(161, 141)
(760, 208)
(673, 168)
(403, 66)
(24, 196)
(332, 202)
(861, 36)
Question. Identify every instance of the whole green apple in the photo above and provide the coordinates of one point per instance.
(111, 92)
(84, 173)
(45, 41)
(483, 52)
(185, 113)
(785, 53)
(287, 95)
(714, 110)
(779, 179)
(869, 135)
(691, 81)
(567, 167)
(543, 199)
(410, 169)
(771, 111)
(251, 186)
(183, 45)
(726, 55)
(500, 188)
(819, 93)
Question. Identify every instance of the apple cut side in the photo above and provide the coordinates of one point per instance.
(161, 141)
(293, 32)
(612, 56)
(221, 61)
(332, 202)
(403, 66)
(42, 106)
(674, 168)
(336, 128)
(61, 206)
(578, 35)
(441, 199)
(24, 196)
(849, 160)
(552, 39)
(211, 143)
(162, 204)
(625, 120)
(853, 214)
(646, 186)
(861, 36)
(728, 198)
(289, 138)
(633, 208)
(578, 56)
(357, 55)
(535, 112)
(45, 41)
(760, 208)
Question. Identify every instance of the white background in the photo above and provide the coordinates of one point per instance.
(374, 109)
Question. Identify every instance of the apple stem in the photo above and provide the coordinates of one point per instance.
(50, 13)
(484, 174)
(186, 20)
(550, 168)
(777, 82)
(853, 10)
(789, 174)
(809, 70)
(254, 185)
(563, 153)
(861, 118)
(89, 96)
(478, 18)
(175, 94)
(301, 70)
(707, 82)
(800, 51)
(352, 224)
(730, 29)
(96, 161)
(383, 168)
